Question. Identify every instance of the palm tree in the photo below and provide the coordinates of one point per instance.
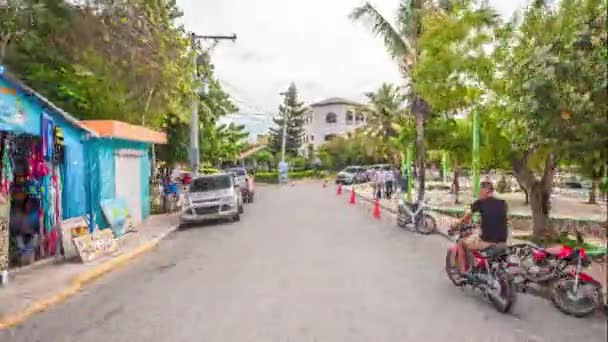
(385, 115)
(401, 41)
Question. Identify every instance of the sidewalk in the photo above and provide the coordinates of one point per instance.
(33, 288)
(596, 270)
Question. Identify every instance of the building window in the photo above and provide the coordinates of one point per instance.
(330, 137)
(312, 137)
(350, 117)
(360, 118)
(331, 117)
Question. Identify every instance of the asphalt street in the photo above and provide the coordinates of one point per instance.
(302, 265)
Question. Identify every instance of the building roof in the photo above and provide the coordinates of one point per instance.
(9, 77)
(334, 100)
(123, 130)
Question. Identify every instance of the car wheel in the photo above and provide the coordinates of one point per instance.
(236, 218)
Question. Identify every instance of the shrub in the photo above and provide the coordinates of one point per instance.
(273, 177)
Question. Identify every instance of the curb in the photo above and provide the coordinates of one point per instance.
(80, 281)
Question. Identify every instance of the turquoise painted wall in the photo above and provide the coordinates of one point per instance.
(103, 173)
(74, 196)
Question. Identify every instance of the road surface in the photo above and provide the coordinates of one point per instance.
(302, 265)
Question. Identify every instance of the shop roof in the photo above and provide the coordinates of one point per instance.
(12, 79)
(123, 130)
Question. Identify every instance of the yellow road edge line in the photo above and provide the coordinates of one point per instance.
(76, 285)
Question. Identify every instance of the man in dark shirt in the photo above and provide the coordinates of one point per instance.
(493, 212)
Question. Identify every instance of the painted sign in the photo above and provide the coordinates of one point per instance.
(72, 228)
(92, 246)
(18, 113)
(116, 212)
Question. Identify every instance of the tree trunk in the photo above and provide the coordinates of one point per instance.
(456, 185)
(420, 154)
(539, 192)
(525, 191)
(539, 203)
(595, 184)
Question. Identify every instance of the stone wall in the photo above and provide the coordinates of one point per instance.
(590, 228)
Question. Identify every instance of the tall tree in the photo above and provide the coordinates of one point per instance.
(401, 41)
(294, 111)
(385, 116)
(553, 95)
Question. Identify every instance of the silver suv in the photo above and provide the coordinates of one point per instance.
(212, 197)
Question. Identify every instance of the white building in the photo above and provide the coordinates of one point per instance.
(330, 118)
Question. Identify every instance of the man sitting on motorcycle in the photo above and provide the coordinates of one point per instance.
(493, 212)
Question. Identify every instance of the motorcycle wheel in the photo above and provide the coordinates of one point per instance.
(452, 271)
(569, 303)
(402, 220)
(504, 298)
(427, 225)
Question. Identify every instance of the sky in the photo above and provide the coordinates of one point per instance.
(310, 42)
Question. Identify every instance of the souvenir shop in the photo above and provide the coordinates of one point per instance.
(31, 183)
(32, 165)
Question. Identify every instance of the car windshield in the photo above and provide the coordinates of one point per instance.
(238, 172)
(351, 169)
(210, 183)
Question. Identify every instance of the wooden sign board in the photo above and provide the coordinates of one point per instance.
(92, 246)
(71, 229)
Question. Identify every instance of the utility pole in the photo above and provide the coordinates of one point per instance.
(284, 135)
(199, 58)
(475, 156)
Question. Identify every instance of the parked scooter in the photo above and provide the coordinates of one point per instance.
(415, 217)
(488, 272)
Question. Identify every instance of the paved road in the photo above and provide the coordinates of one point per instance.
(302, 265)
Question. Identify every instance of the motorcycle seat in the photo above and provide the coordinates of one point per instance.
(494, 251)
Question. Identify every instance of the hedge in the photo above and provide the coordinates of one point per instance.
(273, 177)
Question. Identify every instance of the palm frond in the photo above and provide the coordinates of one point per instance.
(394, 41)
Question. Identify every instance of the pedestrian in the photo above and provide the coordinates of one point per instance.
(388, 182)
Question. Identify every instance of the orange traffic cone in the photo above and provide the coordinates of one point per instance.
(325, 183)
(377, 209)
(339, 189)
(353, 196)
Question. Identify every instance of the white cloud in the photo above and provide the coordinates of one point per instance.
(312, 43)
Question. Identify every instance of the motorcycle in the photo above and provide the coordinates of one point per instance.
(488, 272)
(408, 213)
(560, 269)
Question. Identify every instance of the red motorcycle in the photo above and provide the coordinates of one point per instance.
(488, 272)
(560, 269)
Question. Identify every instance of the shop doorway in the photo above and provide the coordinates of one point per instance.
(128, 181)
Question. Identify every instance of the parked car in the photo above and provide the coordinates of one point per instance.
(350, 175)
(244, 181)
(212, 197)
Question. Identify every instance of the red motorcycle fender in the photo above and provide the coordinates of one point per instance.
(584, 278)
(453, 249)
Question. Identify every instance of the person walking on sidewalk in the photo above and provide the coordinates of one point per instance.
(389, 181)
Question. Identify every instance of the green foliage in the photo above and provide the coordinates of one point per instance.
(359, 149)
(386, 117)
(125, 60)
(294, 111)
(552, 93)
(273, 177)
(106, 60)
